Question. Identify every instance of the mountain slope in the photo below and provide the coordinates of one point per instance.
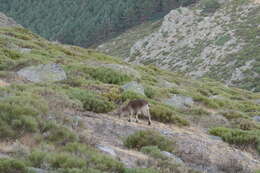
(57, 104)
(222, 44)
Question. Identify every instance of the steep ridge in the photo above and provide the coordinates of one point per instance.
(222, 45)
(57, 114)
(218, 40)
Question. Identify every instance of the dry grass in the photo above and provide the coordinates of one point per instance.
(2, 83)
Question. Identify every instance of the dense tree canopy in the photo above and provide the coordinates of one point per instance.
(84, 22)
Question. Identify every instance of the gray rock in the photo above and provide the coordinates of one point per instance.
(166, 84)
(123, 69)
(37, 170)
(25, 50)
(256, 118)
(3, 156)
(215, 138)
(107, 150)
(134, 87)
(172, 156)
(257, 101)
(43, 73)
(179, 101)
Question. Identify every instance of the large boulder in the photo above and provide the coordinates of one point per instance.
(107, 149)
(134, 87)
(179, 101)
(256, 118)
(43, 73)
(173, 157)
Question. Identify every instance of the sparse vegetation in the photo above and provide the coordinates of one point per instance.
(239, 137)
(91, 101)
(147, 138)
(12, 166)
(167, 115)
(153, 151)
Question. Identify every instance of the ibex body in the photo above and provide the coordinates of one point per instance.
(136, 107)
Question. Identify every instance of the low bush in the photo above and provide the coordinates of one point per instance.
(91, 101)
(76, 158)
(95, 160)
(65, 160)
(12, 166)
(108, 75)
(167, 115)
(153, 151)
(37, 158)
(147, 138)
(150, 92)
(20, 114)
(246, 124)
(238, 137)
(60, 135)
(233, 115)
(129, 95)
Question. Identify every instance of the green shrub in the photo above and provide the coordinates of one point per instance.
(12, 166)
(210, 5)
(61, 135)
(167, 115)
(140, 170)
(246, 124)
(75, 158)
(147, 138)
(95, 160)
(65, 160)
(129, 95)
(233, 115)
(238, 137)
(108, 75)
(37, 158)
(150, 92)
(91, 101)
(19, 114)
(153, 151)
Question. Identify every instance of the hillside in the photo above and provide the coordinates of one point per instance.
(85, 22)
(220, 41)
(58, 107)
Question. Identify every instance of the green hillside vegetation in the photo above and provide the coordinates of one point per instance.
(85, 22)
(26, 107)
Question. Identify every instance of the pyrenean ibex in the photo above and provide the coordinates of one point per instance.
(136, 107)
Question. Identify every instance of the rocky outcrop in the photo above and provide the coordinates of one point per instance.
(134, 87)
(6, 21)
(179, 101)
(200, 44)
(43, 73)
